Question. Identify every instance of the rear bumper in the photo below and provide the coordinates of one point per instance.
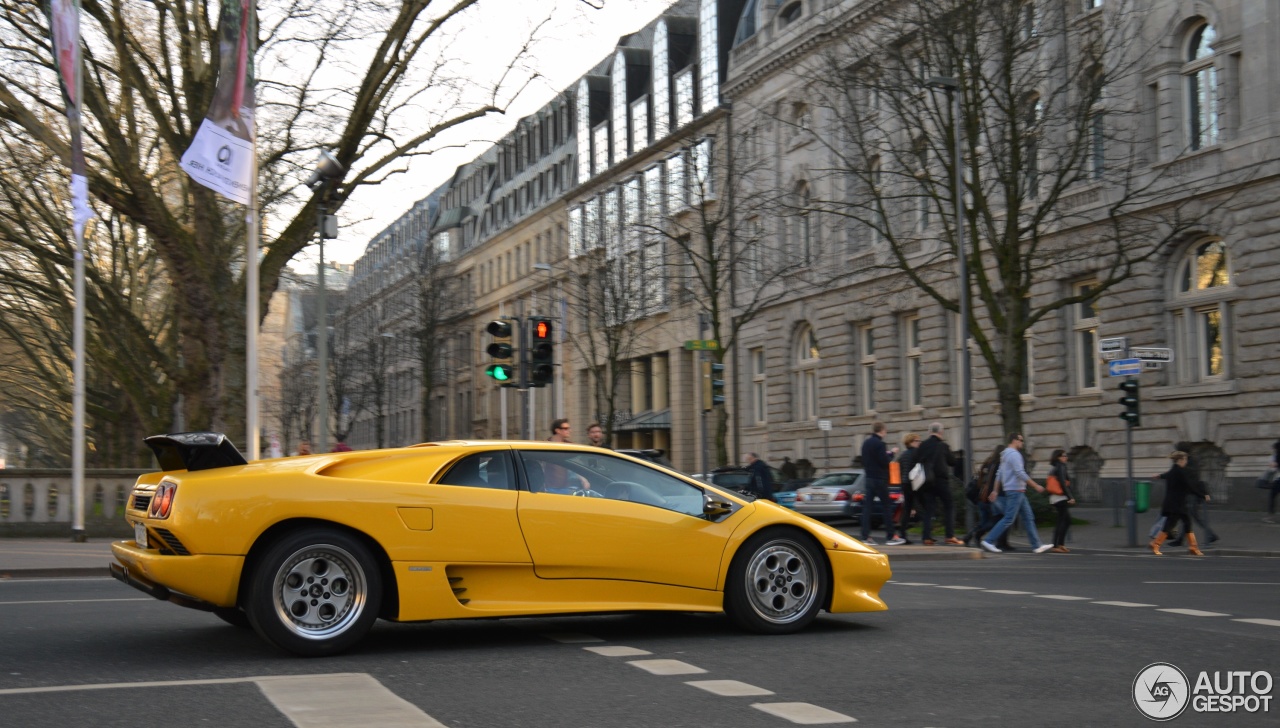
(856, 581)
(203, 581)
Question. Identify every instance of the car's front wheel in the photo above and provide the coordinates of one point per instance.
(314, 592)
(777, 582)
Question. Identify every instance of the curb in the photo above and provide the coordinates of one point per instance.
(1179, 551)
(54, 573)
(954, 555)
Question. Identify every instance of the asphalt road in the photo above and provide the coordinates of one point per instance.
(1064, 653)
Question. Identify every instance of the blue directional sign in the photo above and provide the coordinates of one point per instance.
(1124, 367)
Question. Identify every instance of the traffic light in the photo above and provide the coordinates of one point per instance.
(502, 370)
(1130, 402)
(542, 368)
(712, 385)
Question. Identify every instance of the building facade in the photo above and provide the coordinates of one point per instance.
(710, 121)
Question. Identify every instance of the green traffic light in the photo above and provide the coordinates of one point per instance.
(499, 372)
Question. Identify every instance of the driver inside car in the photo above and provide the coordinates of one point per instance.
(559, 479)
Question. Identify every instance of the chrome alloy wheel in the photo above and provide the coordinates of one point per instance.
(319, 591)
(781, 581)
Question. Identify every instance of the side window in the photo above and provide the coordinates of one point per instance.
(605, 476)
(482, 470)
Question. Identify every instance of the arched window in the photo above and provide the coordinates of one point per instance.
(807, 362)
(1201, 307)
(791, 13)
(1033, 114)
(1202, 87)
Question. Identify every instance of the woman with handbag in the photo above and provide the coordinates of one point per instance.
(905, 462)
(1060, 497)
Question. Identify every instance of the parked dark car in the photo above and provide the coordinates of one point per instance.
(735, 478)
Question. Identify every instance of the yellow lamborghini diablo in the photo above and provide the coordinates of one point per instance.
(310, 550)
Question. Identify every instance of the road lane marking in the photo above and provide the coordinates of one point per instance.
(728, 688)
(617, 651)
(1008, 591)
(1266, 622)
(962, 588)
(6, 579)
(667, 667)
(150, 684)
(571, 638)
(333, 701)
(913, 583)
(804, 713)
(1125, 604)
(1233, 583)
(81, 601)
(1063, 597)
(1194, 612)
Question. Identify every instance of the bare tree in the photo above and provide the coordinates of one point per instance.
(1057, 179)
(375, 83)
(440, 332)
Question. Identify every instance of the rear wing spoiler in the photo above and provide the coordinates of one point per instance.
(193, 451)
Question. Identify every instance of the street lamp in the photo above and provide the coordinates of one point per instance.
(327, 172)
(952, 87)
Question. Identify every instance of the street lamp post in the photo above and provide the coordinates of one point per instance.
(952, 87)
(327, 172)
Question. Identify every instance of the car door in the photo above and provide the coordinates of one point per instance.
(468, 513)
(633, 522)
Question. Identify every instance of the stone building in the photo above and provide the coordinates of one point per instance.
(610, 167)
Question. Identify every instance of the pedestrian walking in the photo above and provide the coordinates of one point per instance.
(1178, 486)
(1197, 508)
(1061, 498)
(560, 431)
(876, 457)
(905, 461)
(1275, 484)
(987, 498)
(1014, 481)
(935, 455)
(761, 482)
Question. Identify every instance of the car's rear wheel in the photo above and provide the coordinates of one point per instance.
(777, 582)
(234, 616)
(314, 592)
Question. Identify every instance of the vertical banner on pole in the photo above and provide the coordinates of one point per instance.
(64, 24)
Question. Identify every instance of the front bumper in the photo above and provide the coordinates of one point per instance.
(199, 581)
(856, 581)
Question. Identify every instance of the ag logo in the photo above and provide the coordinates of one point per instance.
(1161, 691)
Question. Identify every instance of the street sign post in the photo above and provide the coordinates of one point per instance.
(825, 426)
(701, 345)
(1124, 367)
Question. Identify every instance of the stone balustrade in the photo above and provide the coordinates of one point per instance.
(37, 502)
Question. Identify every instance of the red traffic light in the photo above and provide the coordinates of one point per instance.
(541, 330)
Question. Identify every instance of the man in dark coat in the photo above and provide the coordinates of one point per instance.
(875, 466)
(938, 463)
(761, 482)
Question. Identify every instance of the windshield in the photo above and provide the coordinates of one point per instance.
(836, 479)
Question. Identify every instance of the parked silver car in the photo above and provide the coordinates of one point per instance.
(839, 495)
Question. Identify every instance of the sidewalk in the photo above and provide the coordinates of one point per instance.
(1242, 533)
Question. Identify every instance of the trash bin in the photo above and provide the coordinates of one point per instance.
(1142, 496)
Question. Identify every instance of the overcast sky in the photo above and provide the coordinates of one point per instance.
(576, 40)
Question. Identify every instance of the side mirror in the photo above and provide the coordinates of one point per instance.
(714, 508)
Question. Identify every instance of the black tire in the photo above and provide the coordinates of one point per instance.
(233, 616)
(314, 592)
(777, 582)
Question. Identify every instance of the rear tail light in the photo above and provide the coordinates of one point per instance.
(844, 496)
(162, 501)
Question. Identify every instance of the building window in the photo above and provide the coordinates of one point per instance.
(703, 159)
(684, 98)
(1085, 328)
(600, 147)
(1031, 146)
(808, 362)
(914, 384)
(1027, 20)
(1026, 354)
(758, 390)
(677, 185)
(1202, 88)
(1097, 124)
(1202, 311)
(922, 174)
(867, 368)
(640, 124)
(791, 13)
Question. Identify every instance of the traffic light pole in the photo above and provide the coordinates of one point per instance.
(1133, 488)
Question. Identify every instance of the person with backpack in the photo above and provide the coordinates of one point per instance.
(900, 474)
(985, 495)
(1060, 497)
